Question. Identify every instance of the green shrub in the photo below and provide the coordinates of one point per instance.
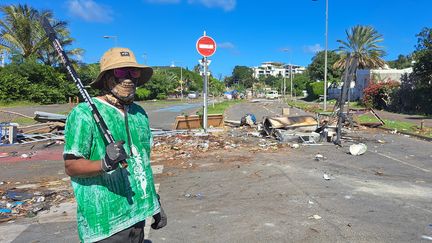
(35, 82)
(161, 96)
(142, 94)
(13, 87)
(315, 89)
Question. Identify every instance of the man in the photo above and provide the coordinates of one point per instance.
(113, 198)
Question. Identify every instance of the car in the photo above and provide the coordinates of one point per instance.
(273, 94)
(193, 95)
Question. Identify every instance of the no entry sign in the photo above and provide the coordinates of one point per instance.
(206, 46)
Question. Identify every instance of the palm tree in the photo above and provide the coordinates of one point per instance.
(362, 45)
(22, 34)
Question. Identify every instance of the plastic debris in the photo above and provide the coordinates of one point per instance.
(319, 157)
(326, 177)
(426, 237)
(315, 216)
(5, 210)
(358, 149)
(295, 146)
(18, 196)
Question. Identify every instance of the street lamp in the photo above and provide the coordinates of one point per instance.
(145, 58)
(111, 37)
(284, 79)
(325, 56)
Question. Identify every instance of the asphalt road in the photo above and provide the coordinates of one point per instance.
(244, 195)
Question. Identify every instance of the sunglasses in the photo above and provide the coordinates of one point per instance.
(127, 72)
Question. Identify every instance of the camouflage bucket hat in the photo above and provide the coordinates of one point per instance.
(119, 57)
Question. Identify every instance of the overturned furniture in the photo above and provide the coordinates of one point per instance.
(304, 123)
(196, 122)
(292, 128)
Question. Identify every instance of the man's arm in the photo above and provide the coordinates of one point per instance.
(80, 167)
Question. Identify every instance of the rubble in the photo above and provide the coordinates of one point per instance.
(29, 200)
(358, 149)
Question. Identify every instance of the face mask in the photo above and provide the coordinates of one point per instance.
(122, 89)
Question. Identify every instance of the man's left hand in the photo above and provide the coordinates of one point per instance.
(160, 219)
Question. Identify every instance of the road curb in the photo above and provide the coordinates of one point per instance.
(407, 133)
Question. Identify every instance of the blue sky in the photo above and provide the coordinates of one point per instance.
(247, 32)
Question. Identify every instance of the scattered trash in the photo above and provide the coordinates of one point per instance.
(319, 157)
(358, 149)
(310, 202)
(379, 173)
(381, 141)
(295, 146)
(315, 216)
(326, 177)
(18, 196)
(426, 237)
(4, 155)
(5, 210)
(248, 119)
(198, 196)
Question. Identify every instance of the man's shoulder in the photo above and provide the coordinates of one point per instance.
(138, 108)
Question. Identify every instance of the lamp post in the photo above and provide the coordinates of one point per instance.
(325, 55)
(145, 58)
(284, 80)
(325, 58)
(111, 37)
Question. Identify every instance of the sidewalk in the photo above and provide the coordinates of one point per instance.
(417, 119)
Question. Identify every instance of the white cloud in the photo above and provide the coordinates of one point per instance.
(313, 48)
(163, 1)
(90, 11)
(226, 45)
(227, 5)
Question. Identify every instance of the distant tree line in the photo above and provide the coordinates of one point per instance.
(34, 73)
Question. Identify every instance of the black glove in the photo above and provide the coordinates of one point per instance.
(114, 153)
(160, 219)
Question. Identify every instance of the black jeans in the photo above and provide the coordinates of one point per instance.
(133, 234)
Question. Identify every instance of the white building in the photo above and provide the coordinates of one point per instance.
(364, 77)
(276, 69)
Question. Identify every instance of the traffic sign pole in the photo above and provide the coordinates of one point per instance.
(205, 95)
(205, 46)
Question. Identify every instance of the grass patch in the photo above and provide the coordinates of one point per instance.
(219, 108)
(23, 121)
(16, 104)
(402, 126)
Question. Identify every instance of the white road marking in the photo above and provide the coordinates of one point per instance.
(403, 162)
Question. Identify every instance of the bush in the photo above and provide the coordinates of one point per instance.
(378, 95)
(142, 94)
(13, 87)
(315, 90)
(35, 82)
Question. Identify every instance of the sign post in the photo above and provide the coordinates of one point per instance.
(205, 46)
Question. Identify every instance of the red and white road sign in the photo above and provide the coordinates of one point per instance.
(206, 46)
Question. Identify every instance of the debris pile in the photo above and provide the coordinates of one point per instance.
(29, 200)
(50, 127)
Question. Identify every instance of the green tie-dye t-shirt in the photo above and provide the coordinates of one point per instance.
(113, 201)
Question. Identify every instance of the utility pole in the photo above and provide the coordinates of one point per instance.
(291, 84)
(325, 58)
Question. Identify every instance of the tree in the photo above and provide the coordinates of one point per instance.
(22, 36)
(401, 62)
(316, 68)
(362, 44)
(241, 75)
